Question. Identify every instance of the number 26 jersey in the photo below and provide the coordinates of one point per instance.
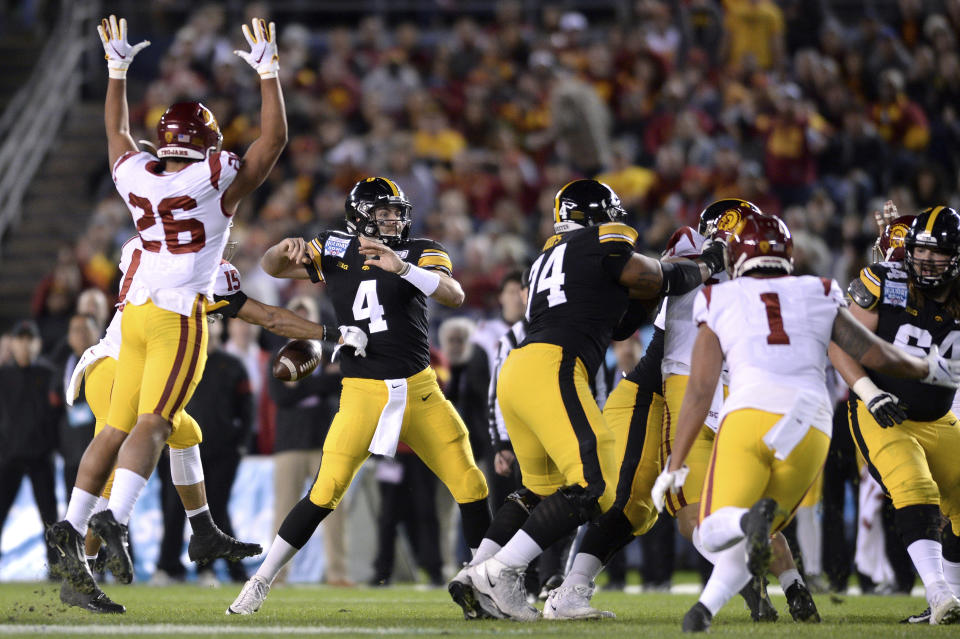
(390, 310)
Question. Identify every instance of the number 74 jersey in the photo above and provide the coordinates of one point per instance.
(774, 334)
(182, 225)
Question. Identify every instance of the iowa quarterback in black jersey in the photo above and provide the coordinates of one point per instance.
(905, 430)
(378, 279)
(580, 286)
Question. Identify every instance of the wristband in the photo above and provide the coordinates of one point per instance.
(421, 278)
(116, 74)
(865, 389)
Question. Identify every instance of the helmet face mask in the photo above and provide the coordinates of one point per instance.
(586, 203)
(376, 208)
(188, 131)
(933, 248)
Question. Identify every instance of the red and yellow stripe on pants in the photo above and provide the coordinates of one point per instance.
(743, 469)
(162, 356)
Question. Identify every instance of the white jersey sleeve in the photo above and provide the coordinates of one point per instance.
(228, 280)
(182, 224)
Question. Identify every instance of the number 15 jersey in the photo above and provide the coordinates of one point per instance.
(182, 225)
(390, 310)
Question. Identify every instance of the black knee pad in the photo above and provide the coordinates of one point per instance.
(524, 498)
(918, 522)
(585, 502)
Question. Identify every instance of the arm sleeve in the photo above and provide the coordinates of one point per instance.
(229, 305)
(435, 258)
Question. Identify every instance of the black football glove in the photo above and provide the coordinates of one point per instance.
(712, 255)
(885, 408)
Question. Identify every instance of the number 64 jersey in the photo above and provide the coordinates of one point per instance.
(182, 224)
(774, 334)
(389, 309)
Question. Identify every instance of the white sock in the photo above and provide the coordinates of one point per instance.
(789, 577)
(89, 558)
(722, 529)
(101, 504)
(809, 536)
(951, 573)
(127, 486)
(80, 509)
(927, 556)
(488, 548)
(277, 557)
(729, 576)
(519, 551)
(698, 544)
(585, 569)
(191, 513)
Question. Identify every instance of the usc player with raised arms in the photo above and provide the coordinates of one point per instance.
(181, 201)
(773, 330)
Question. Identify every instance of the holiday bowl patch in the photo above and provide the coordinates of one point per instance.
(336, 246)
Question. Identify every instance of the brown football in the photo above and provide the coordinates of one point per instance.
(296, 359)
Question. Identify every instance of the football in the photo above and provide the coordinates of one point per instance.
(296, 359)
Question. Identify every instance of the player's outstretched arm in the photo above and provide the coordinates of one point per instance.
(259, 159)
(116, 114)
(647, 278)
(287, 259)
(438, 286)
(284, 322)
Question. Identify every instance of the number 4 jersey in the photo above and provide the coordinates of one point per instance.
(181, 223)
(389, 309)
(914, 328)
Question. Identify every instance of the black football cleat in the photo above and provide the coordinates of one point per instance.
(758, 601)
(96, 601)
(71, 565)
(923, 617)
(216, 545)
(697, 619)
(116, 543)
(801, 603)
(756, 526)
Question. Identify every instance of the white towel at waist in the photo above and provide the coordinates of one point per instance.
(89, 356)
(387, 435)
(806, 413)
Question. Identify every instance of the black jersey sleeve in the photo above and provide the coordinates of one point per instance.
(617, 242)
(434, 257)
(315, 268)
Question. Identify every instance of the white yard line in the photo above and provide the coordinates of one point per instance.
(230, 629)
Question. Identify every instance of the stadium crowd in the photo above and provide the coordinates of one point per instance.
(815, 115)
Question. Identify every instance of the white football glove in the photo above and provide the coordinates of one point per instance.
(352, 336)
(118, 52)
(943, 371)
(263, 48)
(668, 480)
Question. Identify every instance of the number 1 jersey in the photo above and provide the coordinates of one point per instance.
(390, 310)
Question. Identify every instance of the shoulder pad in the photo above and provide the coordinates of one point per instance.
(617, 232)
(861, 294)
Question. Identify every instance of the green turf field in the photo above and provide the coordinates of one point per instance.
(28, 609)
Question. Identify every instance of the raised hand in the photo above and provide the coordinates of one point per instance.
(118, 52)
(380, 255)
(263, 48)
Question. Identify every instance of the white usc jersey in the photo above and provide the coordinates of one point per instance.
(774, 333)
(181, 223)
(226, 284)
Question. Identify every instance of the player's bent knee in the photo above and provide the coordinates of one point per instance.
(585, 501)
(470, 486)
(915, 492)
(715, 532)
(327, 492)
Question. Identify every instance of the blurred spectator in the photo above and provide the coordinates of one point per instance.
(29, 410)
(77, 424)
(242, 343)
(754, 34)
(469, 380)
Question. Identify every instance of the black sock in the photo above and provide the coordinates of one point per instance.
(553, 518)
(475, 518)
(607, 535)
(511, 515)
(951, 545)
(301, 522)
(202, 523)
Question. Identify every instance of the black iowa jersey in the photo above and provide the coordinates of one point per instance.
(390, 310)
(883, 287)
(575, 300)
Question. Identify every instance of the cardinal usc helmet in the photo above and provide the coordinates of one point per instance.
(760, 242)
(366, 197)
(587, 203)
(938, 229)
(723, 215)
(890, 246)
(189, 131)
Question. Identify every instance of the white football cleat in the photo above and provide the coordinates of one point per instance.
(251, 597)
(573, 602)
(944, 610)
(504, 586)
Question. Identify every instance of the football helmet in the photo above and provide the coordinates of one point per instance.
(760, 242)
(889, 247)
(188, 130)
(724, 215)
(586, 203)
(936, 228)
(365, 197)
